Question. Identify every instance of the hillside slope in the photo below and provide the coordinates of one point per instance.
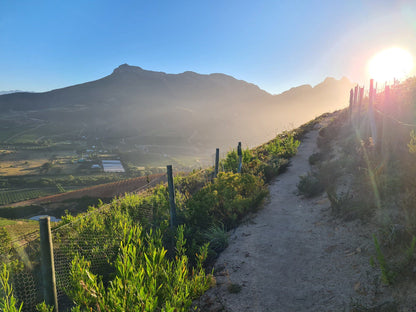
(339, 231)
(292, 255)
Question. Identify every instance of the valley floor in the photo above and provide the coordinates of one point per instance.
(294, 256)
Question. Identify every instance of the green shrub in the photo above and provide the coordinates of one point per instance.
(310, 185)
(315, 158)
(217, 237)
(231, 161)
(284, 146)
(350, 208)
(5, 241)
(228, 199)
(8, 303)
(387, 275)
(145, 279)
(43, 307)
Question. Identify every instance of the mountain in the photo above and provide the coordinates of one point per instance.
(188, 109)
(10, 91)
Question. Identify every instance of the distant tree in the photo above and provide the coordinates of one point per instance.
(46, 167)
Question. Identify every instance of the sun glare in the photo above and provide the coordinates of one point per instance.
(389, 64)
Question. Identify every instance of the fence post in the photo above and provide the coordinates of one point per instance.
(359, 105)
(356, 95)
(360, 99)
(386, 110)
(217, 160)
(351, 101)
(373, 126)
(355, 102)
(47, 263)
(240, 157)
(370, 93)
(171, 190)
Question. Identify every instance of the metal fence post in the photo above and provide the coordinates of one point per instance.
(240, 157)
(47, 263)
(171, 190)
(217, 159)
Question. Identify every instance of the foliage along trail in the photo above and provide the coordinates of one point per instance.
(292, 255)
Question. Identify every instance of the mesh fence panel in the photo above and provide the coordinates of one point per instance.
(68, 240)
(96, 248)
(25, 277)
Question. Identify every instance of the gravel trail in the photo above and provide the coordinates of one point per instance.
(293, 255)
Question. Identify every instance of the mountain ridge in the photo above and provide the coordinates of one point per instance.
(201, 109)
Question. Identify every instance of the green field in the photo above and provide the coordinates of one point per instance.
(14, 196)
(18, 228)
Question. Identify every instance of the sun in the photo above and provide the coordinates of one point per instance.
(389, 64)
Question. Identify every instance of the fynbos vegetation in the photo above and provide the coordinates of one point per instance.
(367, 167)
(125, 256)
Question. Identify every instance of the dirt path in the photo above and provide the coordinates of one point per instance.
(293, 256)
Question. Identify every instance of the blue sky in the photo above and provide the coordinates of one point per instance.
(277, 45)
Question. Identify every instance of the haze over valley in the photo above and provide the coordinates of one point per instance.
(185, 114)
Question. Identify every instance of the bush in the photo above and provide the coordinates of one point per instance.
(217, 237)
(228, 199)
(284, 146)
(230, 163)
(8, 303)
(315, 158)
(310, 185)
(145, 279)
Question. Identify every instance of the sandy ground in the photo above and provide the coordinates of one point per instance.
(294, 256)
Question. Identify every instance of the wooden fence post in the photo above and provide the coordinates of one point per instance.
(387, 98)
(355, 102)
(359, 105)
(360, 99)
(373, 126)
(217, 160)
(351, 101)
(47, 264)
(171, 190)
(356, 95)
(386, 110)
(240, 157)
(370, 93)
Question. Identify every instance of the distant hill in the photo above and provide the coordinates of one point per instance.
(10, 91)
(188, 108)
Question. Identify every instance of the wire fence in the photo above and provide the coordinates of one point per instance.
(68, 243)
(382, 102)
(70, 239)
(25, 276)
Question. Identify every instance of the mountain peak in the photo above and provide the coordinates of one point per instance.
(330, 81)
(126, 68)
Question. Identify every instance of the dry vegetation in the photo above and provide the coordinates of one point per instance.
(371, 177)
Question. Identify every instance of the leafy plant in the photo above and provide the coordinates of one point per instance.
(410, 252)
(217, 237)
(310, 185)
(284, 146)
(231, 161)
(387, 275)
(145, 279)
(8, 303)
(43, 307)
(228, 199)
(315, 158)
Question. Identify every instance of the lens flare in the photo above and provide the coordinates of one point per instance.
(390, 64)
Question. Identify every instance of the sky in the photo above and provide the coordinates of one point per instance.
(277, 45)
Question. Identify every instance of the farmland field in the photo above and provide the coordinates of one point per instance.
(13, 196)
(18, 228)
